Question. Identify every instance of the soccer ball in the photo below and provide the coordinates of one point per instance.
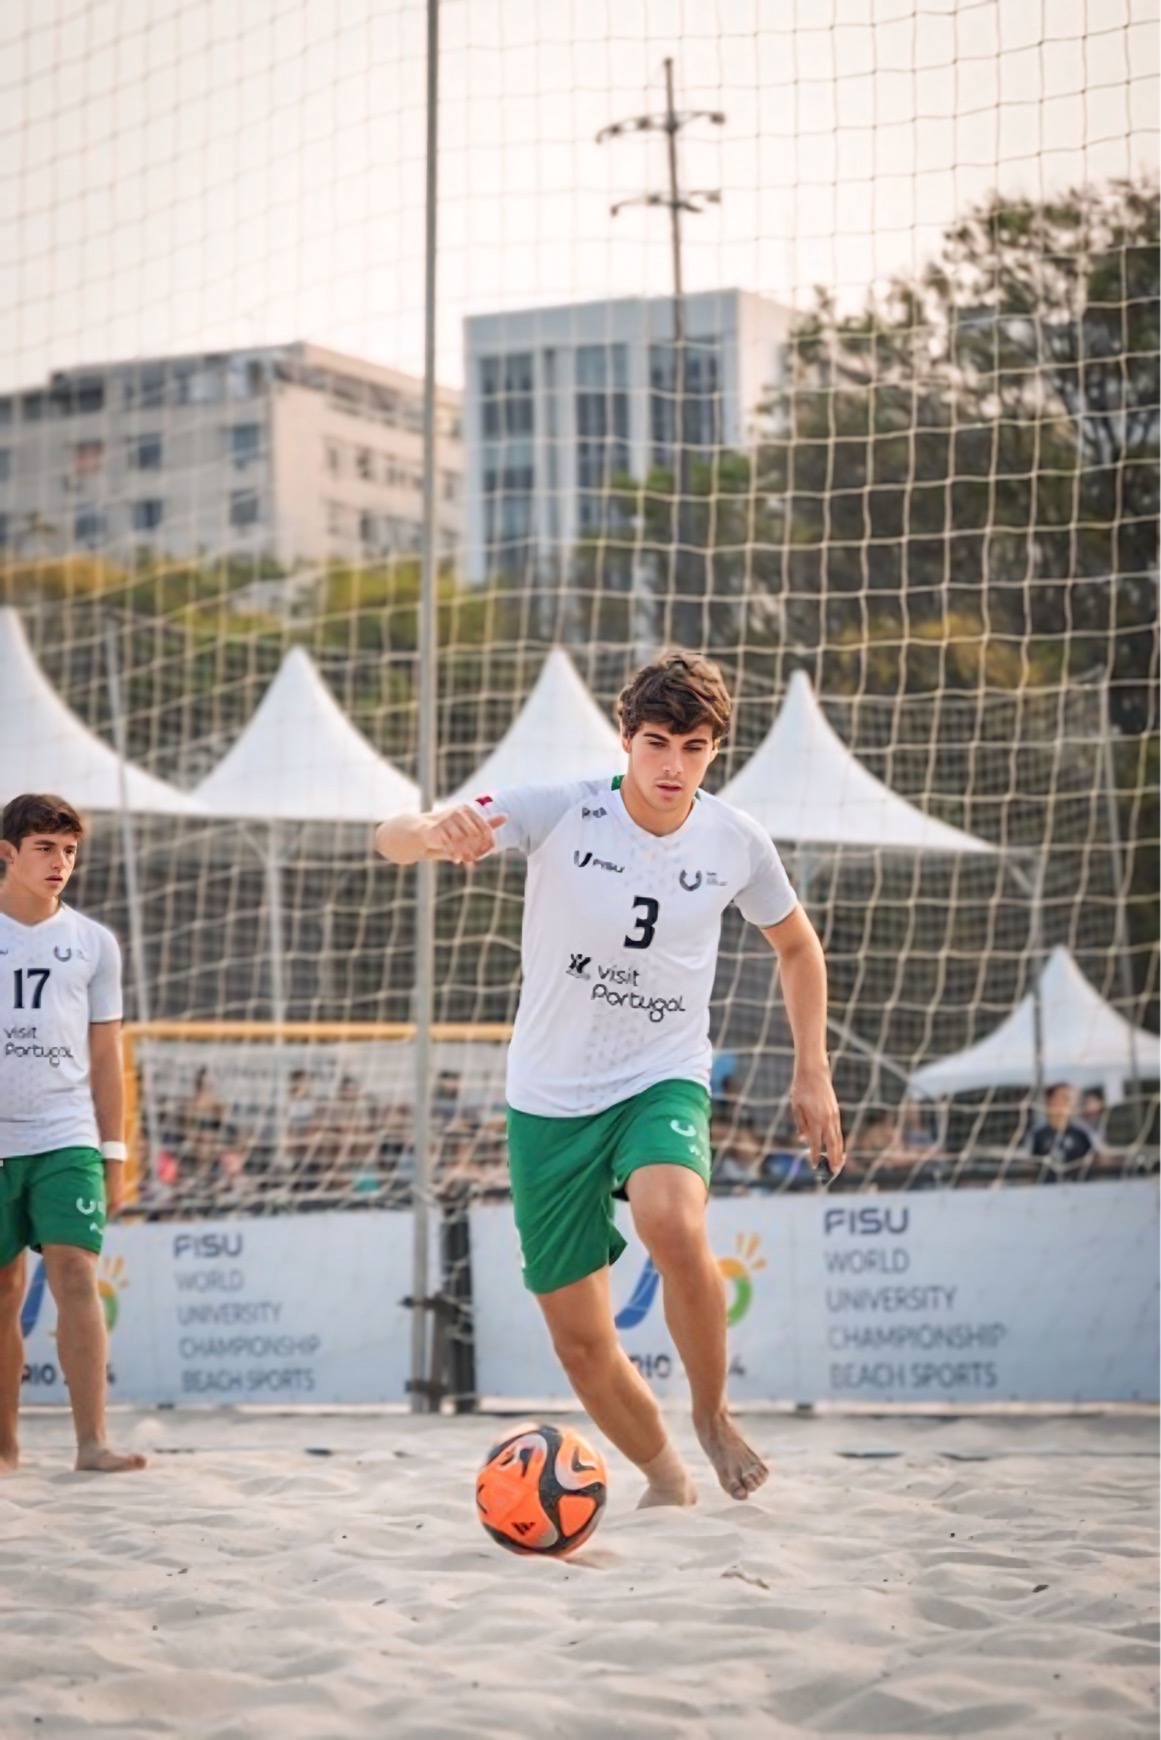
(541, 1490)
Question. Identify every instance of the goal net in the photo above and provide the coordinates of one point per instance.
(886, 450)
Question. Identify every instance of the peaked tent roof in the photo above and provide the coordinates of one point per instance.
(45, 747)
(301, 760)
(1084, 1041)
(805, 787)
(559, 734)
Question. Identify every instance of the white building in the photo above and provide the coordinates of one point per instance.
(559, 401)
(291, 452)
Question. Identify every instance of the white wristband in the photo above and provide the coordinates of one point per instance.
(114, 1151)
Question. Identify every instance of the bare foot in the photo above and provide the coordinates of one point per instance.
(684, 1493)
(740, 1470)
(668, 1479)
(9, 1459)
(99, 1459)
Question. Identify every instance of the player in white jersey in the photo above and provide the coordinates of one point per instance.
(62, 1148)
(609, 1065)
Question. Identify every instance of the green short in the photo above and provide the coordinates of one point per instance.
(566, 1172)
(57, 1198)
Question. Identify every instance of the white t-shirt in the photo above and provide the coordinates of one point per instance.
(55, 978)
(620, 942)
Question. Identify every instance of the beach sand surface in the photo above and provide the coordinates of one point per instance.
(324, 1575)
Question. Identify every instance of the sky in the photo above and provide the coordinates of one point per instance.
(185, 175)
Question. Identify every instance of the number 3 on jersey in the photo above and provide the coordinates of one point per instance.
(35, 990)
(645, 924)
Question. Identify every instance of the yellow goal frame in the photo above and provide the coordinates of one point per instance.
(324, 1032)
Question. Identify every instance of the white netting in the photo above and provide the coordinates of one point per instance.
(930, 486)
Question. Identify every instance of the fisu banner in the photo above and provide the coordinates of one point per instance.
(931, 1296)
(298, 1309)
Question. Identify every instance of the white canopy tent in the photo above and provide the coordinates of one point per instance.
(45, 747)
(559, 734)
(807, 788)
(1083, 1040)
(300, 760)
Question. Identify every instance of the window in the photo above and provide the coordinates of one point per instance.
(336, 519)
(5, 532)
(334, 458)
(5, 413)
(245, 441)
(89, 395)
(147, 515)
(506, 391)
(244, 507)
(364, 464)
(150, 388)
(368, 530)
(385, 404)
(602, 425)
(32, 407)
(88, 527)
(88, 457)
(5, 464)
(145, 453)
(451, 485)
(701, 420)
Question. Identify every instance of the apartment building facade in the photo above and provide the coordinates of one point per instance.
(558, 402)
(292, 453)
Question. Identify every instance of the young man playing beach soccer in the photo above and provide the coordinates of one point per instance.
(609, 1064)
(62, 1147)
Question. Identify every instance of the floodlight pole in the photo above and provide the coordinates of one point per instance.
(132, 884)
(1121, 938)
(421, 1193)
(671, 124)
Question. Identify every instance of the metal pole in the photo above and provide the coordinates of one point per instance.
(681, 462)
(1036, 949)
(277, 984)
(132, 885)
(428, 672)
(1120, 917)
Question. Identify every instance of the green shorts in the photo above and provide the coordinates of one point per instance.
(566, 1171)
(56, 1198)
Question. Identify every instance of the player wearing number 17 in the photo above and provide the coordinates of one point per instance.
(608, 1069)
(62, 1148)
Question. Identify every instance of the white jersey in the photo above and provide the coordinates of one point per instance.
(55, 978)
(620, 941)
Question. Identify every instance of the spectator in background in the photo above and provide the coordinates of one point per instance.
(1061, 1139)
(1094, 1114)
(345, 1149)
(874, 1146)
(913, 1136)
(301, 1131)
(445, 1099)
(736, 1151)
(202, 1119)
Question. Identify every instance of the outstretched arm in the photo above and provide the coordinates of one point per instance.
(816, 1112)
(461, 835)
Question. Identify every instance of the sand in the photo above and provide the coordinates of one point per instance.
(324, 1575)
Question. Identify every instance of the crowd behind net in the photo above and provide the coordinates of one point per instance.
(891, 457)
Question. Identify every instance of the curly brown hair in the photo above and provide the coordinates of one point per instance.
(680, 691)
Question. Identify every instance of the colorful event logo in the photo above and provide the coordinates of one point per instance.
(111, 1283)
(737, 1271)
